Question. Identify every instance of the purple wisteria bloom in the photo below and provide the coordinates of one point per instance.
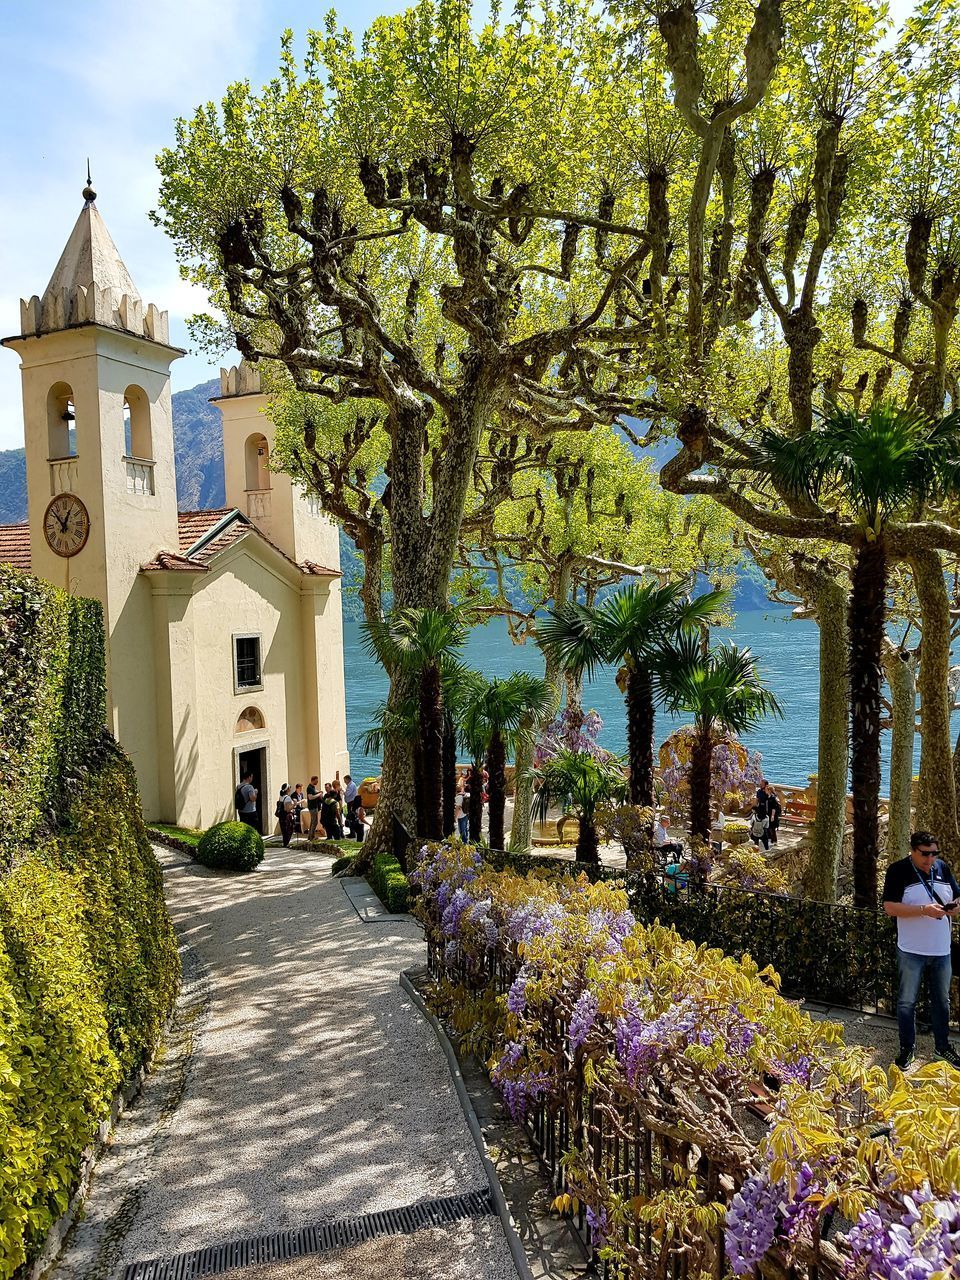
(752, 1221)
(598, 1223)
(583, 1018)
(921, 1241)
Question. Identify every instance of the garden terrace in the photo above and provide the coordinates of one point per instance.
(636, 1060)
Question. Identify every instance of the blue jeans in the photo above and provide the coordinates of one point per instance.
(912, 968)
(463, 826)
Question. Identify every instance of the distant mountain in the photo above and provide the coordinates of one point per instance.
(13, 486)
(197, 442)
(198, 446)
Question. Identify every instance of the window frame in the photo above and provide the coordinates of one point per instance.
(239, 688)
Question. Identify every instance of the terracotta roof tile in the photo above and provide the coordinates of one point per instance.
(170, 560)
(15, 545)
(321, 571)
(194, 524)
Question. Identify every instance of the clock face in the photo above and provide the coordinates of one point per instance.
(66, 524)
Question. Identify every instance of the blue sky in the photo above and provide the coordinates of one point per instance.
(106, 79)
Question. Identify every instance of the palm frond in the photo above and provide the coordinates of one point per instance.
(721, 688)
(398, 721)
(880, 464)
(570, 637)
(502, 706)
(579, 782)
(411, 639)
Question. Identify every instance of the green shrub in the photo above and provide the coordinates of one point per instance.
(88, 961)
(88, 974)
(389, 883)
(343, 864)
(230, 846)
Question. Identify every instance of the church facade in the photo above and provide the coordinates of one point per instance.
(224, 628)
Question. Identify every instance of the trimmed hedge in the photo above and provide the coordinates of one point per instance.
(230, 846)
(53, 708)
(88, 962)
(88, 974)
(389, 883)
(182, 838)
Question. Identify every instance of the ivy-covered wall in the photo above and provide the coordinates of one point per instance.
(53, 704)
(88, 961)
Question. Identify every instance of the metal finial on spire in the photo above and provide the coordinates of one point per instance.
(89, 195)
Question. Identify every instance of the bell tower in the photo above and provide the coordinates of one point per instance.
(290, 518)
(101, 488)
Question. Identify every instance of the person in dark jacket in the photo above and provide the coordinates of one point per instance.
(285, 810)
(774, 810)
(331, 813)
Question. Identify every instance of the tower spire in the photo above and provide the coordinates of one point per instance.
(89, 195)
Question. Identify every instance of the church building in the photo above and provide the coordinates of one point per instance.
(224, 628)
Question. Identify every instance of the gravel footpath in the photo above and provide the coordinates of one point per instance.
(298, 1086)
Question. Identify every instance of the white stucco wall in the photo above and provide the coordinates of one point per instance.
(249, 590)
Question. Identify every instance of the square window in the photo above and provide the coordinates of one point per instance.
(246, 655)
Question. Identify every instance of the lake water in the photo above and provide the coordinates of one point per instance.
(786, 647)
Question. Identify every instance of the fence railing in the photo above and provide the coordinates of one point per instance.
(838, 955)
(627, 1153)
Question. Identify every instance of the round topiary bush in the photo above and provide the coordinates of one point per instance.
(230, 846)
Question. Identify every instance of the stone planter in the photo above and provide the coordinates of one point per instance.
(370, 793)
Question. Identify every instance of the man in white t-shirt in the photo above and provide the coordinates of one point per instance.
(920, 893)
(662, 841)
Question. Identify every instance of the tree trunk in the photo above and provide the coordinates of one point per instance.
(640, 722)
(866, 623)
(521, 827)
(475, 808)
(431, 745)
(956, 773)
(419, 790)
(396, 799)
(422, 552)
(936, 804)
(900, 667)
(588, 847)
(574, 685)
(833, 751)
(449, 774)
(701, 768)
(496, 789)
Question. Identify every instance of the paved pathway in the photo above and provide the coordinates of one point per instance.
(298, 1086)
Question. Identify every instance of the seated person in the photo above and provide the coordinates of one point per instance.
(678, 874)
(661, 839)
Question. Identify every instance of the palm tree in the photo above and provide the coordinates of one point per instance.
(629, 628)
(416, 642)
(724, 693)
(472, 731)
(577, 782)
(496, 714)
(887, 463)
